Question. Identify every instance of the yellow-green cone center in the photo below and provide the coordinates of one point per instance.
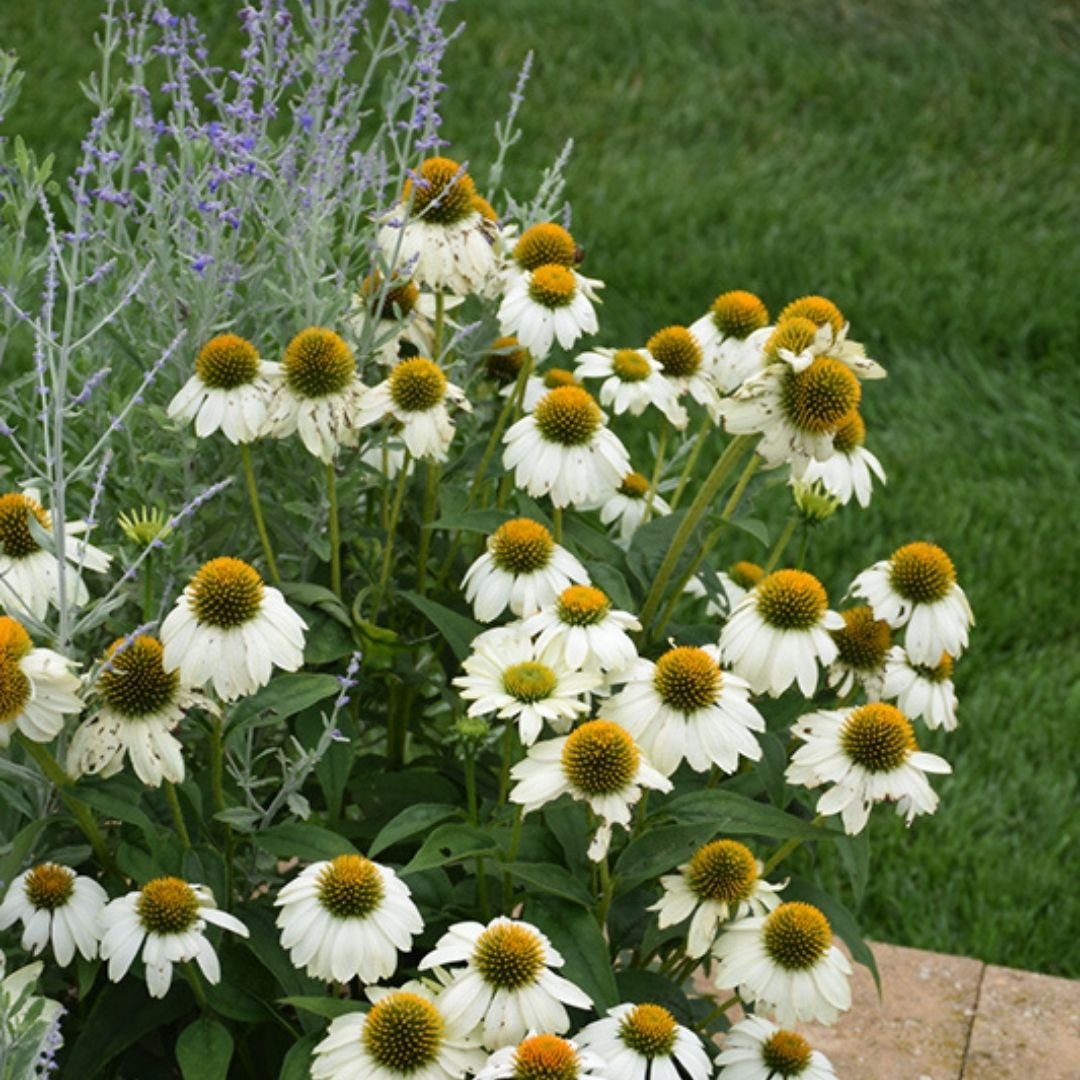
(403, 1033)
(504, 361)
(922, 573)
(785, 1053)
(864, 641)
(545, 1057)
(134, 681)
(49, 886)
(724, 871)
(821, 396)
(687, 679)
(794, 334)
(816, 309)
(552, 286)
(745, 574)
(442, 194)
(318, 363)
(634, 486)
(529, 682)
(350, 887)
(676, 350)
(508, 956)
(16, 540)
(417, 385)
(15, 689)
(850, 434)
(521, 546)
(582, 605)
(791, 600)
(649, 1030)
(397, 301)
(167, 905)
(939, 672)
(227, 361)
(878, 737)
(547, 244)
(226, 592)
(797, 936)
(739, 313)
(630, 366)
(568, 416)
(600, 758)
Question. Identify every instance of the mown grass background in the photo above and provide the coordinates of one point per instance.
(916, 161)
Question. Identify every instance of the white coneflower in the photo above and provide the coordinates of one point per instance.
(503, 363)
(347, 917)
(547, 244)
(37, 687)
(167, 919)
(917, 588)
(523, 569)
(851, 468)
(869, 755)
(55, 904)
(229, 628)
(731, 335)
(584, 630)
(921, 690)
(756, 1049)
(779, 632)
(549, 303)
(510, 676)
(415, 395)
(831, 338)
(317, 394)
(786, 963)
(439, 233)
(681, 362)
(643, 1042)
(722, 881)
(735, 583)
(627, 505)
(140, 705)
(862, 645)
(537, 386)
(229, 390)
(633, 381)
(404, 1034)
(29, 574)
(564, 450)
(544, 1057)
(599, 764)
(684, 707)
(387, 320)
(506, 984)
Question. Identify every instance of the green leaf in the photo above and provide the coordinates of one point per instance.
(137, 864)
(20, 847)
(841, 920)
(328, 1007)
(281, 698)
(412, 821)
(733, 813)
(296, 1064)
(264, 944)
(550, 878)
(307, 842)
(115, 805)
(605, 576)
(854, 852)
(450, 844)
(651, 543)
(458, 630)
(652, 988)
(478, 521)
(304, 592)
(661, 849)
(576, 934)
(204, 1050)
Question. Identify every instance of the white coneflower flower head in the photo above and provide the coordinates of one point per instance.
(229, 391)
(779, 632)
(862, 645)
(637, 1042)
(633, 381)
(230, 628)
(544, 1057)
(55, 904)
(921, 690)
(507, 983)
(869, 755)
(722, 881)
(787, 963)
(831, 336)
(851, 468)
(682, 363)
(565, 450)
(551, 302)
(523, 569)
(628, 504)
(756, 1049)
(37, 686)
(917, 588)
(731, 334)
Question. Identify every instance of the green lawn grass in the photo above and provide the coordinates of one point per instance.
(912, 161)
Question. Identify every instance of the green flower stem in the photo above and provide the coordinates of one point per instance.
(477, 485)
(607, 893)
(518, 397)
(781, 544)
(431, 498)
(805, 545)
(335, 531)
(257, 514)
(197, 990)
(710, 543)
(388, 547)
(511, 855)
(507, 758)
(556, 516)
(703, 1024)
(217, 786)
(437, 329)
(148, 588)
(79, 810)
(698, 508)
(177, 814)
(658, 467)
(786, 848)
(474, 819)
(691, 460)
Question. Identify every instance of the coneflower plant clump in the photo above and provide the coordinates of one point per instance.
(384, 688)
